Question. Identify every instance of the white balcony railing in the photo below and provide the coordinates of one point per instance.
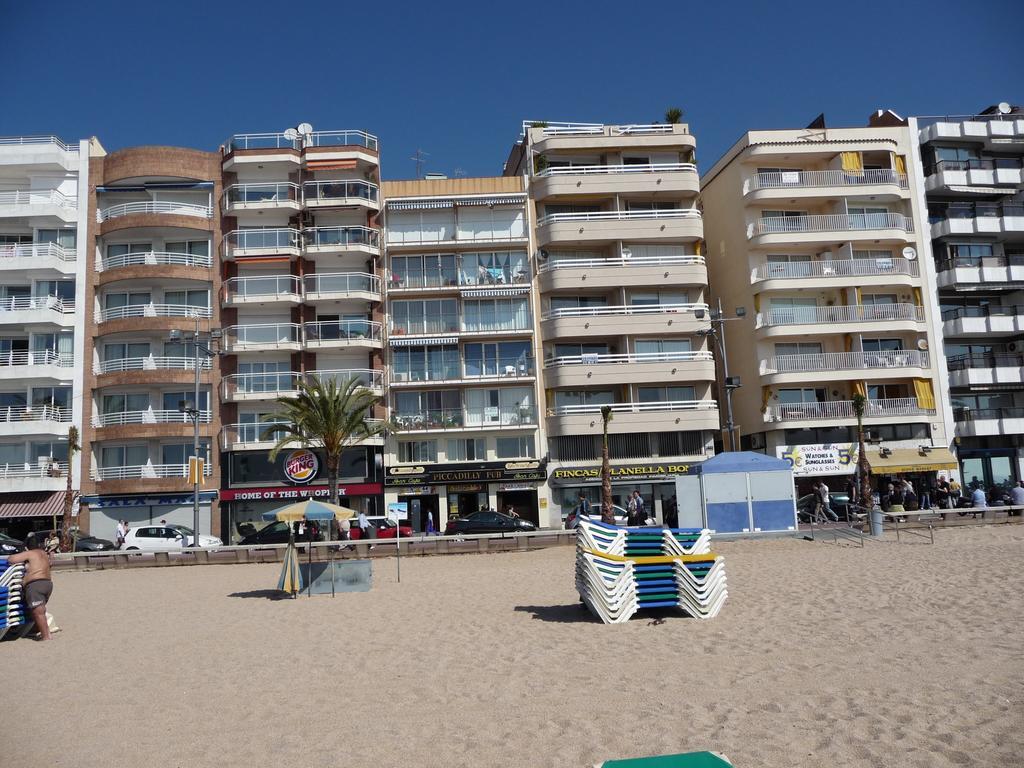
(21, 141)
(153, 259)
(856, 313)
(324, 193)
(342, 330)
(829, 178)
(250, 433)
(843, 409)
(245, 141)
(262, 336)
(841, 361)
(621, 263)
(153, 310)
(280, 192)
(667, 405)
(600, 170)
(35, 251)
(833, 222)
(150, 363)
(20, 413)
(371, 378)
(52, 303)
(154, 206)
(149, 416)
(19, 470)
(627, 309)
(630, 359)
(146, 472)
(662, 213)
(256, 384)
(795, 270)
(350, 138)
(341, 283)
(262, 288)
(38, 197)
(36, 357)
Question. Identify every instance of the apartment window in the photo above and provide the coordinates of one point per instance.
(798, 348)
(656, 298)
(65, 238)
(425, 316)
(116, 300)
(62, 289)
(429, 271)
(12, 454)
(577, 302)
(191, 247)
(550, 209)
(666, 394)
(425, 363)
(651, 205)
(501, 268)
(506, 358)
(956, 158)
(882, 345)
(782, 221)
(801, 395)
(420, 410)
(902, 431)
(122, 249)
(171, 400)
(199, 298)
(126, 402)
(581, 350)
(970, 254)
(127, 350)
(507, 406)
(485, 222)
(662, 349)
(498, 315)
(679, 443)
(868, 217)
(469, 449)
(790, 310)
(59, 397)
(256, 427)
(179, 453)
(520, 447)
(15, 400)
(55, 450)
(417, 450)
(569, 397)
(886, 391)
(15, 239)
(112, 456)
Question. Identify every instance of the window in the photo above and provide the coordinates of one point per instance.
(425, 410)
(970, 254)
(501, 268)
(520, 447)
(663, 349)
(793, 265)
(200, 298)
(191, 247)
(425, 363)
(507, 406)
(886, 391)
(56, 451)
(123, 249)
(798, 348)
(127, 350)
(666, 394)
(62, 289)
(882, 345)
(787, 310)
(264, 376)
(171, 400)
(868, 217)
(580, 350)
(497, 315)
(470, 449)
(430, 271)
(179, 453)
(507, 358)
(577, 302)
(804, 395)
(656, 298)
(16, 239)
(65, 238)
(425, 316)
(59, 397)
(782, 221)
(417, 450)
(115, 300)
(125, 403)
(584, 397)
(112, 456)
(651, 205)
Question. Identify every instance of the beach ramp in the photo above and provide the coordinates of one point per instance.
(682, 760)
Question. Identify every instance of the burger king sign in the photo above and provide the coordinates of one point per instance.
(301, 466)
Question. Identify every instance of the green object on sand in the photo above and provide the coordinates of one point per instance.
(682, 760)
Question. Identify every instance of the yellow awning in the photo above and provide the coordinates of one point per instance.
(911, 460)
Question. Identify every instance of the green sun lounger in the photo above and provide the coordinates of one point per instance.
(682, 760)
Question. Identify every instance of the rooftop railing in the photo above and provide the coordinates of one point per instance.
(657, 213)
(632, 358)
(154, 206)
(840, 361)
(843, 409)
(37, 251)
(833, 222)
(38, 197)
(601, 170)
(24, 141)
(623, 309)
(855, 313)
(665, 405)
(827, 178)
(153, 310)
(342, 139)
(154, 259)
(261, 141)
(622, 262)
(836, 268)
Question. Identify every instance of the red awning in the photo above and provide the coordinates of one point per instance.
(32, 504)
(330, 165)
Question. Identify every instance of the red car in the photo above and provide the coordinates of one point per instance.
(385, 530)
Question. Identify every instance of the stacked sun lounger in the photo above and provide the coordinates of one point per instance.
(12, 609)
(620, 571)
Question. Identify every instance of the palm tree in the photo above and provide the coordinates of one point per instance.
(863, 465)
(673, 115)
(607, 512)
(325, 416)
(69, 497)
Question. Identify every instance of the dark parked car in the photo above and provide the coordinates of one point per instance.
(488, 522)
(840, 503)
(84, 543)
(275, 533)
(10, 546)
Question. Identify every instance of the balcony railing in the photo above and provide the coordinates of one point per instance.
(443, 323)
(517, 367)
(624, 309)
(457, 418)
(341, 139)
(658, 213)
(984, 310)
(843, 409)
(150, 363)
(38, 251)
(829, 178)
(154, 259)
(153, 310)
(981, 262)
(836, 268)
(38, 197)
(979, 414)
(600, 170)
(630, 359)
(36, 357)
(341, 283)
(21, 303)
(263, 287)
(833, 222)
(341, 192)
(265, 335)
(22, 470)
(261, 141)
(840, 361)
(857, 313)
(665, 405)
(251, 432)
(621, 263)
(21, 141)
(154, 206)
(261, 383)
(281, 239)
(147, 472)
(20, 413)
(341, 237)
(269, 192)
(982, 361)
(373, 379)
(976, 211)
(342, 330)
(976, 164)
(148, 416)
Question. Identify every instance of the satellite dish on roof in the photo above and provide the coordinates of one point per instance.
(1003, 107)
(291, 134)
(305, 129)
(909, 253)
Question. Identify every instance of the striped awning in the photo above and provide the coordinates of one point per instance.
(330, 165)
(405, 341)
(32, 504)
(503, 200)
(434, 203)
(475, 292)
(419, 205)
(982, 190)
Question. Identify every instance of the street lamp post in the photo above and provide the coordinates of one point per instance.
(717, 331)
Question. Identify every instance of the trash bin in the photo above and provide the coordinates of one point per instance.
(876, 521)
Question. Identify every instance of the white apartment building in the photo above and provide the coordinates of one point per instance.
(624, 320)
(973, 170)
(43, 195)
(819, 238)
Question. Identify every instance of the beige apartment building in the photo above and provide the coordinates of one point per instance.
(818, 240)
(621, 286)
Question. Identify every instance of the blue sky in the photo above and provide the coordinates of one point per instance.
(456, 79)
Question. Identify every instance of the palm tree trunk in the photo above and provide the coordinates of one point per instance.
(333, 462)
(65, 525)
(607, 512)
(864, 468)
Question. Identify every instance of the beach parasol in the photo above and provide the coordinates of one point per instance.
(310, 509)
(291, 576)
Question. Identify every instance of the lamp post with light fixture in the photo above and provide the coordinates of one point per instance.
(717, 331)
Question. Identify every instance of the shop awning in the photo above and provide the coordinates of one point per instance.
(911, 460)
(403, 341)
(32, 504)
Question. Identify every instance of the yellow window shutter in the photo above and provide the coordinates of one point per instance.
(857, 296)
(917, 298)
(852, 162)
(698, 247)
(859, 388)
(901, 164)
(757, 302)
(848, 339)
(766, 395)
(925, 394)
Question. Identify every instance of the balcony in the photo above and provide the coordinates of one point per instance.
(797, 321)
(38, 151)
(153, 259)
(832, 272)
(146, 472)
(986, 370)
(271, 196)
(240, 387)
(984, 172)
(978, 219)
(442, 324)
(340, 286)
(327, 139)
(243, 243)
(263, 290)
(444, 419)
(799, 230)
(617, 320)
(776, 185)
(34, 420)
(27, 310)
(46, 475)
(502, 370)
(150, 363)
(262, 337)
(450, 235)
(31, 203)
(979, 272)
(597, 138)
(372, 379)
(37, 364)
(677, 415)
(38, 257)
(661, 178)
(264, 435)
(340, 334)
(984, 422)
(338, 240)
(148, 416)
(674, 224)
(638, 368)
(573, 273)
(976, 128)
(341, 194)
(153, 207)
(838, 366)
(829, 411)
(152, 310)
(983, 320)
(251, 149)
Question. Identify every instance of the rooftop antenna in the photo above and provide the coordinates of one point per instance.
(459, 173)
(419, 158)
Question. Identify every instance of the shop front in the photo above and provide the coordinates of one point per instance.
(23, 512)
(446, 491)
(103, 512)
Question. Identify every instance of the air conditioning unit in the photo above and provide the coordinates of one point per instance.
(1013, 346)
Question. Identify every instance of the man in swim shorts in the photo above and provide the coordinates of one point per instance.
(38, 586)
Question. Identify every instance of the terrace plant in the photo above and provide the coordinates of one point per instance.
(673, 115)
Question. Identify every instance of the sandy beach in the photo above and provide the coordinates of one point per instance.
(824, 655)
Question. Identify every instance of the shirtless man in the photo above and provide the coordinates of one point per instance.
(38, 586)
